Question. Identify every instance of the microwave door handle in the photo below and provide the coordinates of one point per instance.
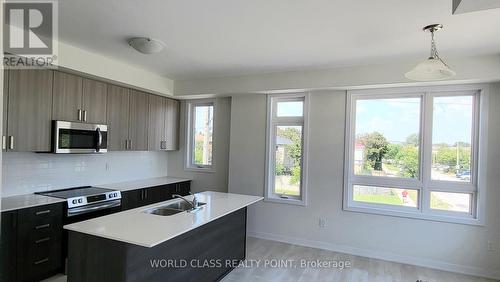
(99, 140)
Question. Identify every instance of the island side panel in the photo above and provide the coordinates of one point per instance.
(92, 258)
(199, 255)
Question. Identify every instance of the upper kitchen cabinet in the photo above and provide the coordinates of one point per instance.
(94, 101)
(118, 118)
(138, 122)
(127, 118)
(67, 102)
(157, 115)
(163, 123)
(172, 125)
(29, 110)
(79, 99)
(5, 108)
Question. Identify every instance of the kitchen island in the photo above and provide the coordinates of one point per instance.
(136, 245)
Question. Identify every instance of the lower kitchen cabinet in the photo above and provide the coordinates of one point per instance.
(146, 196)
(8, 243)
(31, 243)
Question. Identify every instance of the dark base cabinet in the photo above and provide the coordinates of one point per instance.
(31, 248)
(206, 253)
(33, 245)
(8, 244)
(141, 197)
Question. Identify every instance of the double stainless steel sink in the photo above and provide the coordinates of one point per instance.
(174, 208)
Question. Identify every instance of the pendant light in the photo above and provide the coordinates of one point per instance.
(434, 68)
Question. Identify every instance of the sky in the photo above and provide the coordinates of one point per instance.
(396, 119)
(200, 115)
(289, 109)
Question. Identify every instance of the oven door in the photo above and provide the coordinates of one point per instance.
(77, 137)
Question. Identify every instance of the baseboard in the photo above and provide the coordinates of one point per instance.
(429, 263)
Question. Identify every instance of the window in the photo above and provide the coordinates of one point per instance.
(286, 148)
(415, 154)
(200, 135)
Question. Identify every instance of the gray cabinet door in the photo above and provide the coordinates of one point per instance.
(117, 117)
(67, 104)
(157, 116)
(172, 125)
(138, 122)
(94, 101)
(30, 110)
(5, 108)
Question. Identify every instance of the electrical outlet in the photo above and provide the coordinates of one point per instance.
(322, 222)
(491, 248)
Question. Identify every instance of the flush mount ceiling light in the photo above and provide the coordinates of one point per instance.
(146, 45)
(434, 68)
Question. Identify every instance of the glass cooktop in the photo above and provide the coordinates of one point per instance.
(75, 192)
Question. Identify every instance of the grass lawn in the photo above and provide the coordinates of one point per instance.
(391, 199)
(287, 191)
(282, 186)
(439, 204)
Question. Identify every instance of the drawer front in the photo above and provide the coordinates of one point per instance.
(40, 212)
(39, 250)
(39, 244)
(42, 262)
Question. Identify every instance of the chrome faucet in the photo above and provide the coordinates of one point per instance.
(193, 203)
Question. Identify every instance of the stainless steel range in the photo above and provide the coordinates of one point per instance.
(84, 203)
(87, 199)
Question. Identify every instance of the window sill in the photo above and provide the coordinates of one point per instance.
(199, 169)
(285, 201)
(416, 215)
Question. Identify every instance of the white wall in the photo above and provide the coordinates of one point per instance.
(112, 70)
(203, 181)
(469, 70)
(25, 173)
(455, 247)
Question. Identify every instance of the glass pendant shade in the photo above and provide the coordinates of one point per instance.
(429, 70)
(433, 68)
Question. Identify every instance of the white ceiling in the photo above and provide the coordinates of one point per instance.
(209, 38)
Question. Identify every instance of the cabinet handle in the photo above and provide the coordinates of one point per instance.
(41, 261)
(126, 144)
(79, 114)
(42, 226)
(42, 240)
(130, 144)
(11, 142)
(4, 142)
(85, 115)
(42, 212)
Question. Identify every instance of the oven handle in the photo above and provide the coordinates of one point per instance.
(82, 210)
(99, 140)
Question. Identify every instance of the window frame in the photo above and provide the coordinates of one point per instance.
(190, 127)
(272, 122)
(424, 184)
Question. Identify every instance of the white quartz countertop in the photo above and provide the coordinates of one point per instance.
(33, 200)
(27, 201)
(137, 227)
(142, 183)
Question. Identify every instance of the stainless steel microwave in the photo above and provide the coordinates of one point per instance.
(79, 138)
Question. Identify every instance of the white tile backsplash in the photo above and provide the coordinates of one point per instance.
(25, 173)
